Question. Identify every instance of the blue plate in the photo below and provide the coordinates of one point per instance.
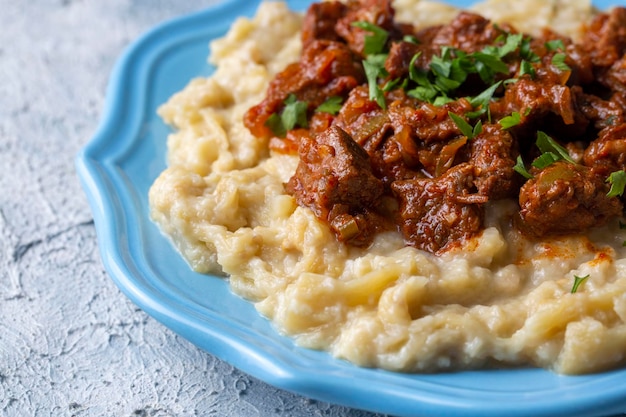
(117, 168)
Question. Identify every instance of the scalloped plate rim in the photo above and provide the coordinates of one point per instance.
(100, 170)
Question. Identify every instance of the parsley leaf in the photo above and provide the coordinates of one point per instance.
(446, 85)
(442, 100)
(578, 281)
(526, 52)
(478, 129)
(617, 180)
(292, 115)
(391, 84)
(275, 123)
(451, 68)
(449, 73)
(509, 121)
(374, 43)
(374, 67)
(511, 43)
(331, 106)
(423, 93)
(461, 67)
(425, 90)
(374, 64)
(465, 128)
(411, 39)
(551, 152)
(558, 60)
(548, 145)
(526, 67)
(555, 45)
(441, 66)
(520, 168)
(482, 100)
(414, 73)
(487, 65)
(545, 159)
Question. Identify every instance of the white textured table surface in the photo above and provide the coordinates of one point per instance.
(70, 343)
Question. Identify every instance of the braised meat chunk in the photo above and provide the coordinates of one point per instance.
(469, 32)
(566, 198)
(335, 181)
(493, 155)
(439, 213)
(326, 69)
(320, 20)
(376, 12)
(605, 40)
(428, 126)
(608, 153)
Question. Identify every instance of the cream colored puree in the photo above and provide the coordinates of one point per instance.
(498, 301)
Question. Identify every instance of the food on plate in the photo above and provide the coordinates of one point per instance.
(411, 186)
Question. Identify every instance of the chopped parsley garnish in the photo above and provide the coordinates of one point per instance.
(526, 67)
(374, 66)
(555, 45)
(481, 101)
(392, 84)
(526, 52)
(331, 106)
(578, 281)
(411, 39)
(448, 71)
(617, 180)
(512, 43)
(510, 121)
(558, 60)
(465, 128)
(275, 123)
(425, 90)
(423, 93)
(416, 74)
(551, 152)
(487, 66)
(442, 100)
(547, 145)
(374, 43)
(442, 65)
(452, 67)
(545, 159)
(375, 56)
(520, 168)
(292, 115)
